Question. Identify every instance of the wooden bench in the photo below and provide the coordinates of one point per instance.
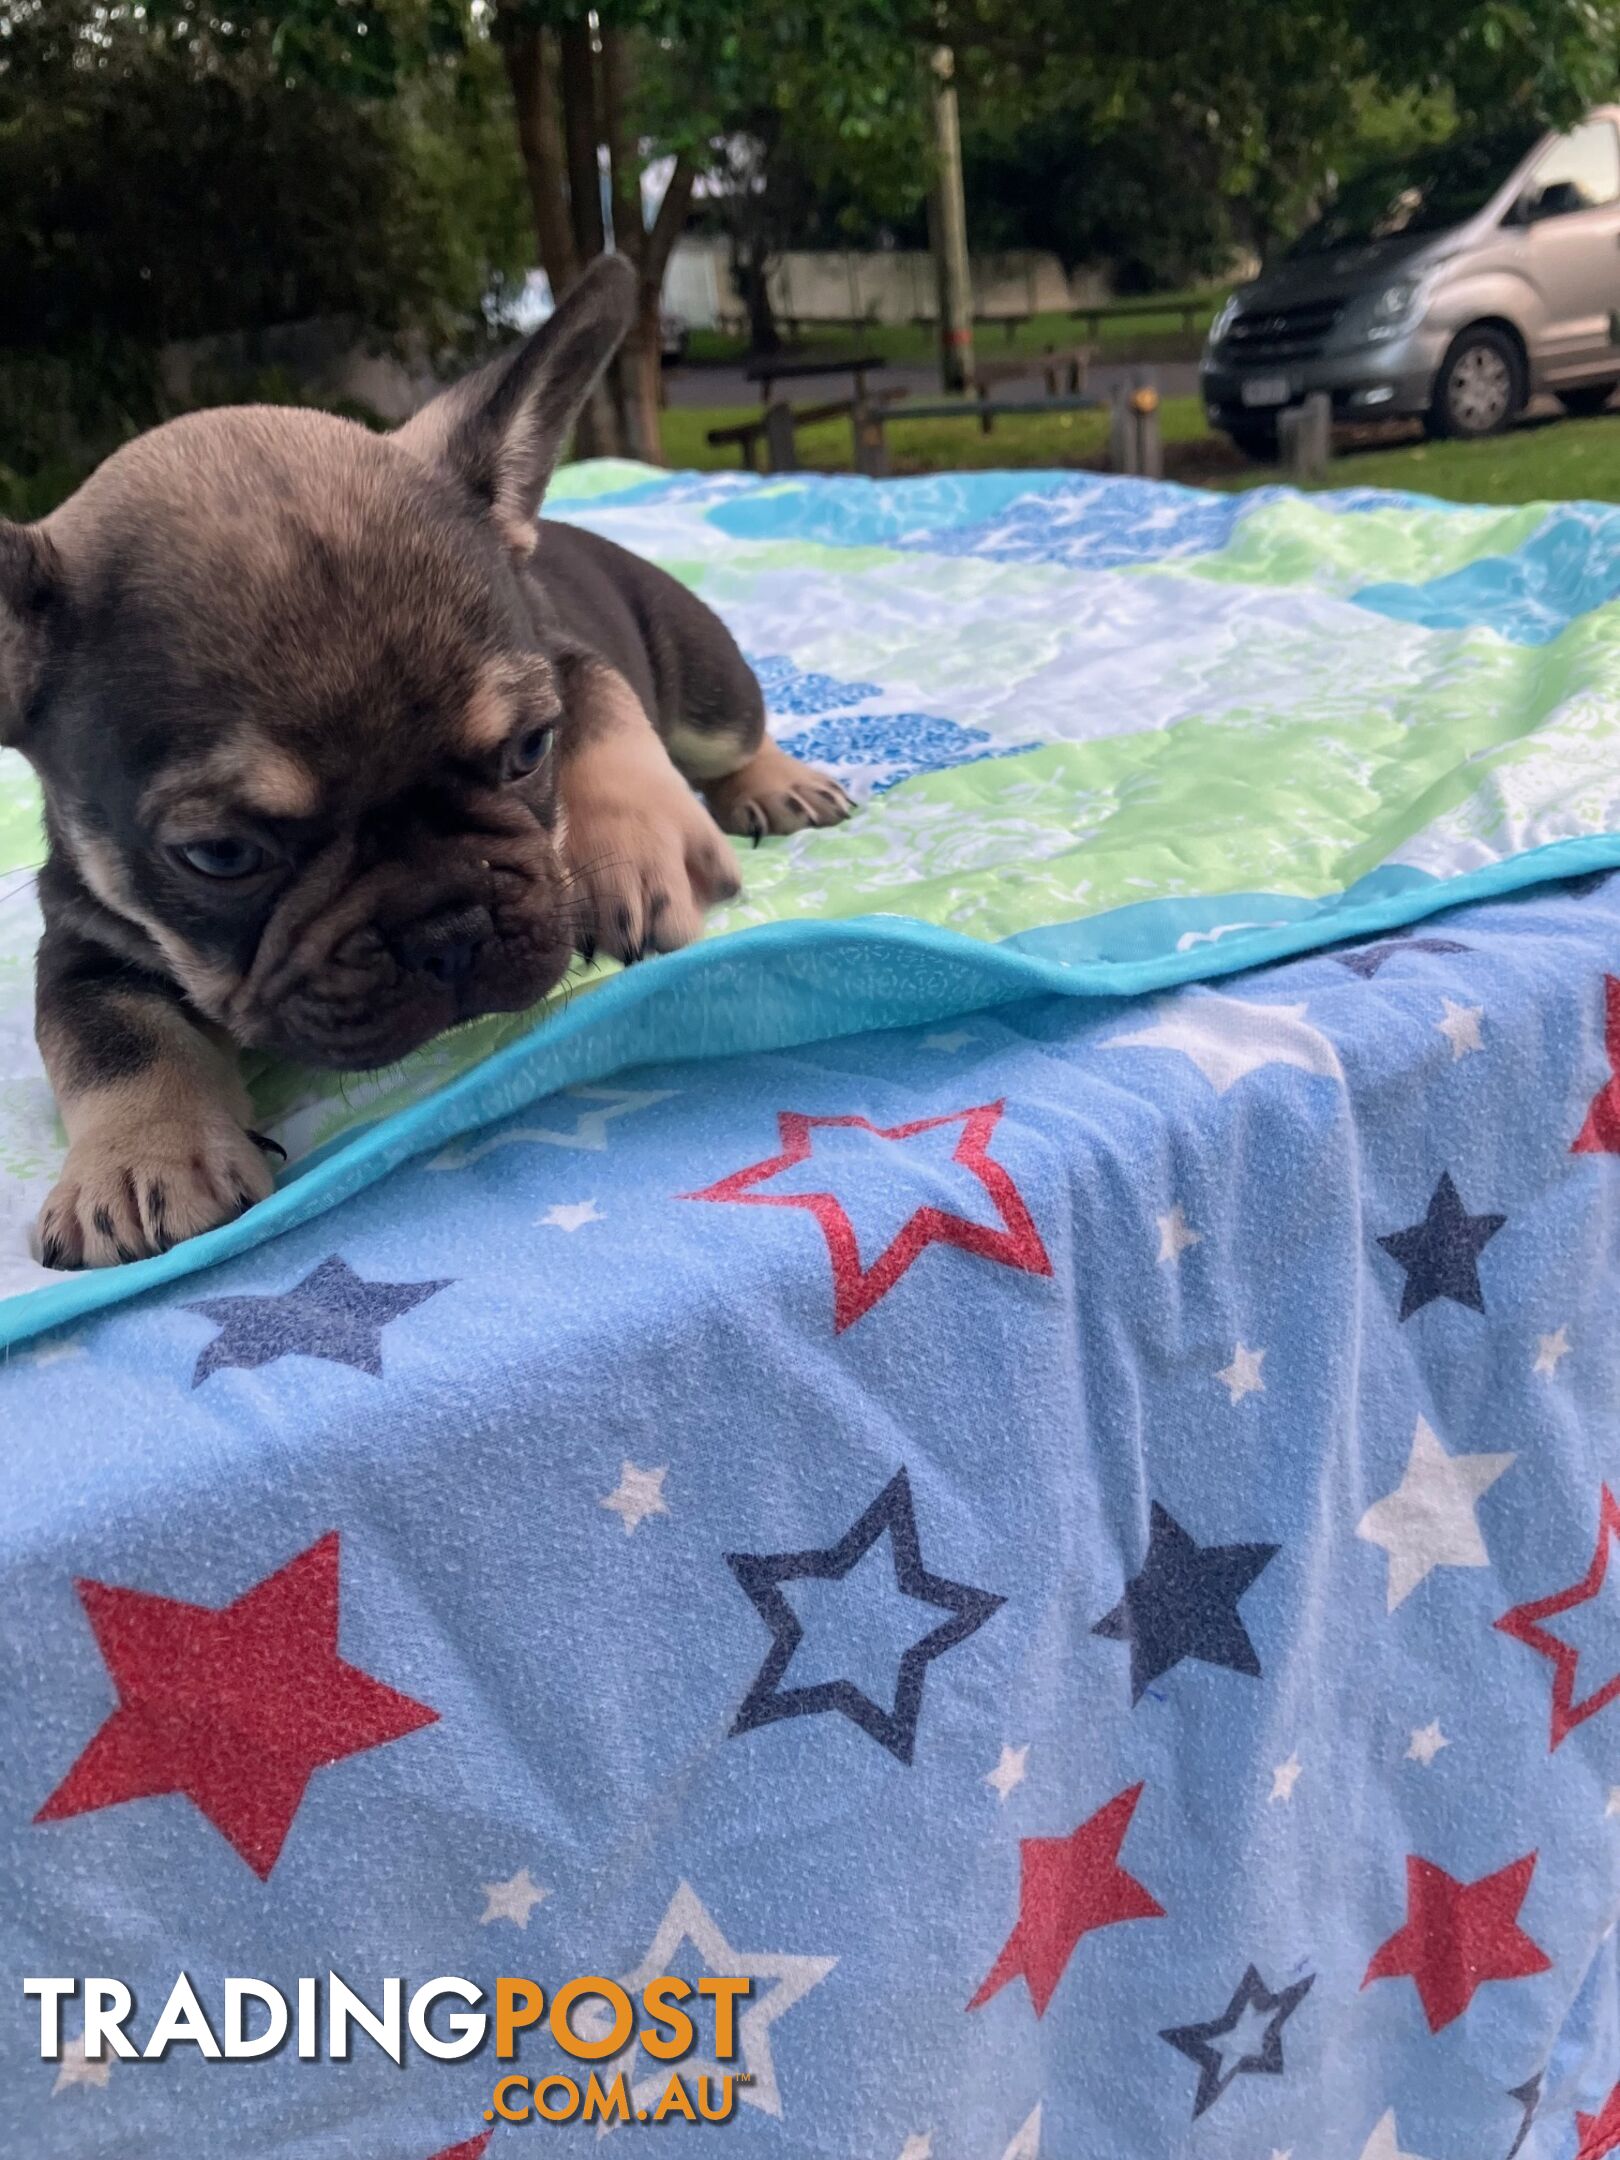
(871, 443)
(1194, 313)
(777, 422)
(1059, 368)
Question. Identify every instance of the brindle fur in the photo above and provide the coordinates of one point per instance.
(276, 626)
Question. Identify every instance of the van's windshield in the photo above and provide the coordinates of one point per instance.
(1426, 193)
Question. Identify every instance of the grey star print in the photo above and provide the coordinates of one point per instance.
(1366, 960)
(1196, 2041)
(893, 1727)
(331, 1314)
(1441, 1253)
(1184, 1604)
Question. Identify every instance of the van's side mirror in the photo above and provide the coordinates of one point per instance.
(1518, 213)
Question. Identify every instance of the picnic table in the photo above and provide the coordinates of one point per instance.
(778, 419)
(1061, 368)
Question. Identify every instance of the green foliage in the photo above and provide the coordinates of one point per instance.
(170, 175)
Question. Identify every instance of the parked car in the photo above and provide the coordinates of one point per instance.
(1452, 286)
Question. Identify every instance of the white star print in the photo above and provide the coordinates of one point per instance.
(53, 1353)
(570, 1215)
(688, 1921)
(1383, 2144)
(919, 2146)
(1009, 1772)
(1242, 1376)
(1278, 2155)
(513, 1899)
(1613, 1807)
(589, 1131)
(1026, 2141)
(1285, 1777)
(1175, 1235)
(1428, 1521)
(1550, 1348)
(1226, 1038)
(1460, 1027)
(638, 1494)
(1427, 1741)
(956, 1039)
(74, 2067)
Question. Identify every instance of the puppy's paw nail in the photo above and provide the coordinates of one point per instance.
(268, 1146)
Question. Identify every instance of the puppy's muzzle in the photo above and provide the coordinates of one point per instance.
(446, 945)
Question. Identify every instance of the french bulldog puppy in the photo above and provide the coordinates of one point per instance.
(340, 748)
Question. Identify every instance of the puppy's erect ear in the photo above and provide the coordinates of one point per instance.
(29, 586)
(502, 430)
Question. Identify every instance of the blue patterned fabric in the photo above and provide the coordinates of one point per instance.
(1068, 1546)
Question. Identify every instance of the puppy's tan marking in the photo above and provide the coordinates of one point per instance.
(704, 754)
(487, 718)
(209, 986)
(649, 856)
(775, 793)
(245, 773)
(156, 1157)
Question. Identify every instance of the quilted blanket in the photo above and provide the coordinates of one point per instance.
(1068, 1549)
(1109, 736)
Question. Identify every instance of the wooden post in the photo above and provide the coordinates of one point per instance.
(1306, 434)
(948, 227)
(781, 454)
(1135, 441)
(871, 448)
(1149, 438)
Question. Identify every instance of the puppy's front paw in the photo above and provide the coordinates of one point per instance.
(127, 1195)
(775, 793)
(650, 869)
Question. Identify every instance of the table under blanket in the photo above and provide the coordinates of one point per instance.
(1067, 1545)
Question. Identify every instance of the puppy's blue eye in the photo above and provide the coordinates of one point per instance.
(223, 858)
(528, 751)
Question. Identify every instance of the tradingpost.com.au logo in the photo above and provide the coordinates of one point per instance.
(590, 2019)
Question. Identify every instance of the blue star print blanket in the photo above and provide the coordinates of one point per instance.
(1068, 1548)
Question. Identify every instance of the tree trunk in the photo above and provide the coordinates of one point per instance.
(641, 359)
(750, 266)
(624, 166)
(581, 135)
(531, 71)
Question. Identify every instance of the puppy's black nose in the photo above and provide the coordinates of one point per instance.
(444, 946)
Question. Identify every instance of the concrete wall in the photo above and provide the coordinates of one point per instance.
(322, 355)
(892, 286)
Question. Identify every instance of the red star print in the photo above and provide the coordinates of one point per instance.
(1459, 1935)
(856, 1289)
(233, 1707)
(473, 2149)
(1600, 1135)
(1600, 2134)
(1068, 1886)
(1522, 1624)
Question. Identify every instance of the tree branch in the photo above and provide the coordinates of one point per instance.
(667, 226)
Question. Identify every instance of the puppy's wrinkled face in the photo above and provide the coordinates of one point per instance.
(303, 734)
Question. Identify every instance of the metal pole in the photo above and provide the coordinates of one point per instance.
(950, 227)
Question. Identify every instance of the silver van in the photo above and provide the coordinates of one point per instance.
(1452, 286)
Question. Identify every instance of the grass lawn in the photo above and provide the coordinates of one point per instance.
(1152, 331)
(1555, 460)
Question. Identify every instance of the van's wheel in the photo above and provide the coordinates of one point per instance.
(1480, 387)
(1588, 399)
(1257, 439)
